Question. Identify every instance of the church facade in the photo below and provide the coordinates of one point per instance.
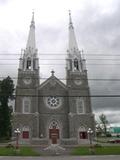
(52, 112)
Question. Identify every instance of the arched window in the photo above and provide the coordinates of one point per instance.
(80, 105)
(34, 64)
(28, 63)
(26, 105)
(76, 64)
(53, 124)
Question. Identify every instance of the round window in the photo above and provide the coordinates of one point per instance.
(53, 101)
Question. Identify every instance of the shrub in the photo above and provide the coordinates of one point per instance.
(10, 146)
(97, 145)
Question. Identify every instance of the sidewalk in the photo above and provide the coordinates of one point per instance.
(50, 151)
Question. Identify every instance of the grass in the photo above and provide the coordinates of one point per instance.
(23, 151)
(104, 150)
(83, 150)
(105, 139)
(4, 141)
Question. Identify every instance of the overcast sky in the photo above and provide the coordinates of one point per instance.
(97, 29)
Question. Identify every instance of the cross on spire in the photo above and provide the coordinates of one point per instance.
(70, 20)
(32, 21)
(52, 72)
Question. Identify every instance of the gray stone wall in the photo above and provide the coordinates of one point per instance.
(47, 114)
(46, 119)
(82, 120)
(27, 120)
(41, 115)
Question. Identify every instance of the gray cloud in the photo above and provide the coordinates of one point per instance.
(97, 32)
(3, 2)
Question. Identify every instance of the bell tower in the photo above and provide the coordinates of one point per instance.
(29, 59)
(76, 68)
(26, 103)
(80, 112)
(28, 72)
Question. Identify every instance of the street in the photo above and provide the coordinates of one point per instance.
(112, 157)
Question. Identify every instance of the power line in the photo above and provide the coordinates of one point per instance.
(65, 59)
(96, 96)
(89, 79)
(60, 54)
(49, 64)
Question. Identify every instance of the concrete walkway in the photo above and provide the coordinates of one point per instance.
(53, 150)
(63, 158)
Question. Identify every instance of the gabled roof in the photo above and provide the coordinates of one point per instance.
(53, 81)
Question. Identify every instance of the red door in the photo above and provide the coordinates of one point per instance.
(83, 135)
(54, 135)
(54, 138)
(25, 134)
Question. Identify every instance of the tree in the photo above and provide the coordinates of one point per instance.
(6, 94)
(98, 129)
(103, 123)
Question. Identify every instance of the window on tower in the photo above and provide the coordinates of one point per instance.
(34, 67)
(28, 63)
(76, 64)
(80, 105)
(26, 105)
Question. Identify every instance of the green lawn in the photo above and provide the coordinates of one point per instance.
(104, 150)
(23, 151)
(105, 139)
(28, 151)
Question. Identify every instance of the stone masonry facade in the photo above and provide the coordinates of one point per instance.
(52, 111)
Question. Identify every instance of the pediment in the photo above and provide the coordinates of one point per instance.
(52, 82)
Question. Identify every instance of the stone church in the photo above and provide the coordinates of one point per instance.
(52, 112)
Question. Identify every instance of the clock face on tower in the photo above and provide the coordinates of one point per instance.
(78, 82)
(27, 81)
(53, 102)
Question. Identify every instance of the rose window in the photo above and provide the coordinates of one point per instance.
(53, 101)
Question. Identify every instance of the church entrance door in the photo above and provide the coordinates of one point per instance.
(25, 132)
(54, 135)
(83, 135)
(54, 132)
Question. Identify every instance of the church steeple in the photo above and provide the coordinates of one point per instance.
(75, 63)
(29, 60)
(31, 44)
(72, 39)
